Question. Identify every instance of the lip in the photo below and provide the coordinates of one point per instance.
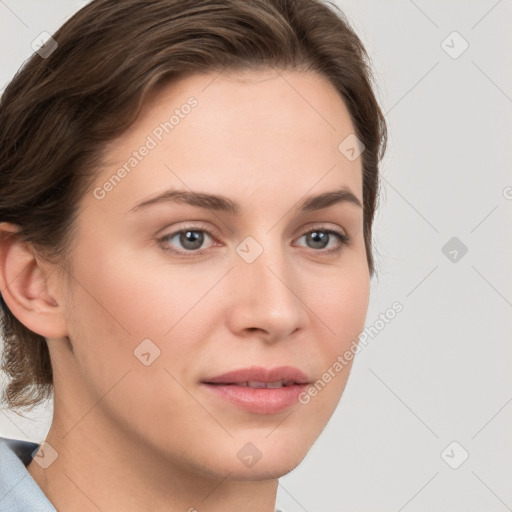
(260, 374)
(231, 387)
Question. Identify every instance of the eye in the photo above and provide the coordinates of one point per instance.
(191, 240)
(319, 238)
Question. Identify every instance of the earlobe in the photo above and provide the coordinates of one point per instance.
(24, 286)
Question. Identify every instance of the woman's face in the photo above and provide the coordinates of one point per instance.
(155, 316)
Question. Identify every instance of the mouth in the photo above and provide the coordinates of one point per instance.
(258, 389)
(254, 384)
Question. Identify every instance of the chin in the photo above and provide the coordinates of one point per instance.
(265, 470)
(261, 459)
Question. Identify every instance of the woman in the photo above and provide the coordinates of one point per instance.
(187, 197)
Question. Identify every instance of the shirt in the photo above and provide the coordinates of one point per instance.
(19, 492)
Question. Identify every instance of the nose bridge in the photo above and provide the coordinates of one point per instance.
(265, 264)
(266, 295)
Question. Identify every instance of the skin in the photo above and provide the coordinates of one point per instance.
(150, 438)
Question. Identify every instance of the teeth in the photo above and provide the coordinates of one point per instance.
(272, 385)
(255, 384)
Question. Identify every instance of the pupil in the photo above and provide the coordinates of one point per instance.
(192, 239)
(319, 238)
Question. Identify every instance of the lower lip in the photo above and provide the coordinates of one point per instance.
(259, 400)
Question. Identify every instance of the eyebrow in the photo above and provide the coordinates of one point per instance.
(224, 204)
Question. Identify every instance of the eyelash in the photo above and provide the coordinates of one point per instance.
(343, 241)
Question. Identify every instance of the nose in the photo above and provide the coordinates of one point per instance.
(266, 300)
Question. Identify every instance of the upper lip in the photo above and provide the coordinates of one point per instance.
(287, 374)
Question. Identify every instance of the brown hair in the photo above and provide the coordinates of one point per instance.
(59, 112)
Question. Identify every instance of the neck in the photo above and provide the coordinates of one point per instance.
(98, 468)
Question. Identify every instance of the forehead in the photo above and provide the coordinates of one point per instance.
(252, 131)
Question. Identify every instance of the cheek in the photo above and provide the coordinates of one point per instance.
(111, 317)
(342, 305)
(342, 308)
(128, 296)
(121, 299)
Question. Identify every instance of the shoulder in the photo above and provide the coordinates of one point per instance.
(13, 449)
(18, 490)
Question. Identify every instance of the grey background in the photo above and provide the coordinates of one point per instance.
(441, 370)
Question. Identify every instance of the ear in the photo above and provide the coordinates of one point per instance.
(24, 286)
